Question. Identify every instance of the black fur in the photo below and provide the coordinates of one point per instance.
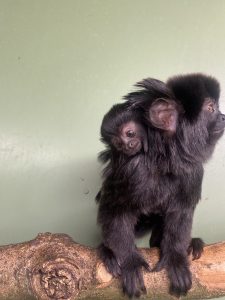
(192, 89)
(162, 186)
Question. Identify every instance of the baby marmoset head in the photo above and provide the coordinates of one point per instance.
(122, 130)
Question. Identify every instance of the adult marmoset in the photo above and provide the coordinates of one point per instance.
(163, 184)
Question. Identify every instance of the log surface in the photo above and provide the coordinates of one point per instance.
(53, 266)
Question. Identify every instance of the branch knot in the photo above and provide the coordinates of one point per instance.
(56, 279)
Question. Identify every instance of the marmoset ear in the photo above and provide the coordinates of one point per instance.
(163, 114)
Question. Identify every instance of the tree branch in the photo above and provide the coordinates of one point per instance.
(52, 266)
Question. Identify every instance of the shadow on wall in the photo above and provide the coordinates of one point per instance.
(73, 188)
(55, 198)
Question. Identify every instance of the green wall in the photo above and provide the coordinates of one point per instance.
(62, 66)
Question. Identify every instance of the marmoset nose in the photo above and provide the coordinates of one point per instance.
(132, 144)
(222, 117)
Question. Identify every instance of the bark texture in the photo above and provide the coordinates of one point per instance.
(53, 266)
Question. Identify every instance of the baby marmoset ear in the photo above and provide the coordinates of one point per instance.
(163, 114)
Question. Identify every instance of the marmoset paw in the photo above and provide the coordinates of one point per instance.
(109, 260)
(196, 248)
(132, 277)
(180, 280)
